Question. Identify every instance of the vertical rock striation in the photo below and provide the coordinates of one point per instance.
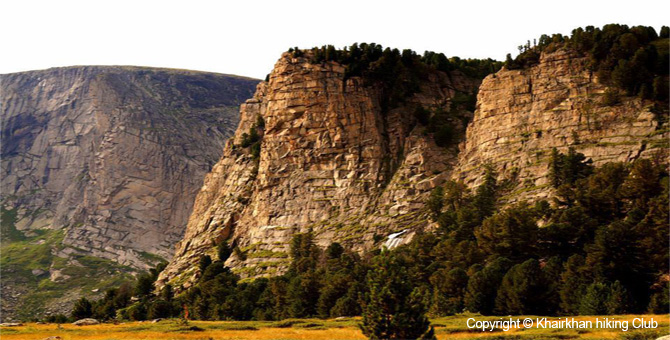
(115, 155)
(331, 160)
(522, 114)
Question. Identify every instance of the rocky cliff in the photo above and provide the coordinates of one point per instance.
(331, 159)
(114, 154)
(558, 103)
(102, 162)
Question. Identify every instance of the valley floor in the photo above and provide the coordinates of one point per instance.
(454, 327)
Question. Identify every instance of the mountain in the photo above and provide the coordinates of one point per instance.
(350, 157)
(353, 155)
(103, 163)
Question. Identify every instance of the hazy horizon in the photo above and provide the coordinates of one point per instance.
(247, 38)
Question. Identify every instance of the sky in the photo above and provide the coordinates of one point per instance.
(247, 37)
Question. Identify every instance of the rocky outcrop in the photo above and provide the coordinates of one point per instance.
(115, 155)
(522, 114)
(331, 160)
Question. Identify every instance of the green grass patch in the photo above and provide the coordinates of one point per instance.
(265, 253)
(8, 229)
(82, 274)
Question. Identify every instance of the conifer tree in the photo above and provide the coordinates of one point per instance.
(618, 299)
(392, 309)
(573, 284)
(436, 202)
(224, 251)
(595, 300)
(204, 262)
(522, 290)
(483, 285)
(82, 309)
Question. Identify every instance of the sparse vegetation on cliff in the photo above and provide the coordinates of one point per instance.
(634, 59)
(253, 139)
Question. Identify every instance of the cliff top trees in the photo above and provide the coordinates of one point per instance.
(634, 59)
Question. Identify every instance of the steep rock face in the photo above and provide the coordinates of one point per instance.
(115, 155)
(331, 160)
(522, 114)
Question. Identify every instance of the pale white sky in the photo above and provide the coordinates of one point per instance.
(247, 37)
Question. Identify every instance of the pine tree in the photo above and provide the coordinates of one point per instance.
(660, 88)
(82, 309)
(480, 293)
(204, 262)
(555, 168)
(551, 275)
(660, 300)
(595, 300)
(448, 291)
(511, 233)
(224, 251)
(303, 295)
(201, 308)
(392, 309)
(509, 62)
(144, 285)
(522, 290)
(436, 202)
(167, 293)
(573, 284)
(137, 312)
(159, 309)
(304, 253)
(485, 196)
(665, 32)
(566, 169)
(615, 255)
(618, 299)
(334, 251)
(348, 305)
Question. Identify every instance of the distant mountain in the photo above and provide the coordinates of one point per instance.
(104, 162)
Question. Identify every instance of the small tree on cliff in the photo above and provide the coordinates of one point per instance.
(224, 251)
(393, 309)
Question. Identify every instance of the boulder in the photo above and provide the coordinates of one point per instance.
(38, 272)
(86, 322)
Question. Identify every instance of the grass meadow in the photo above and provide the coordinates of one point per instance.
(453, 327)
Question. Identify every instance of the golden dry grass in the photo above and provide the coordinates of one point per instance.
(453, 327)
(170, 330)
